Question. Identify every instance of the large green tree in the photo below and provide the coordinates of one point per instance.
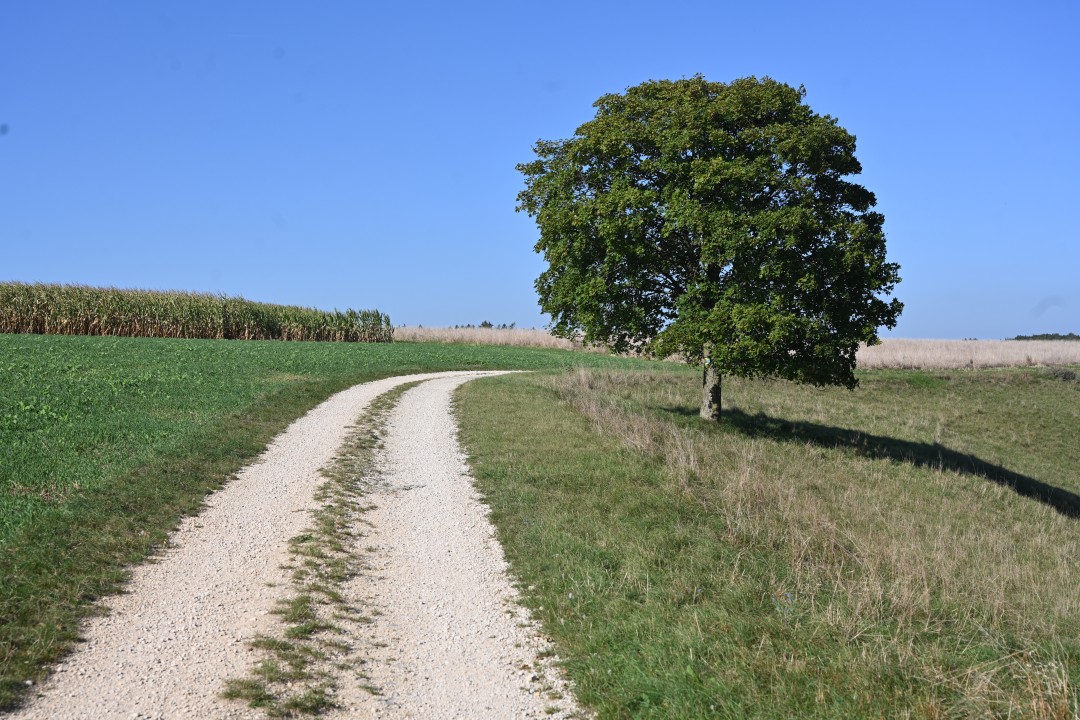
(715, 221)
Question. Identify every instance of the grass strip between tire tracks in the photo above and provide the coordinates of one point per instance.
(301, 669)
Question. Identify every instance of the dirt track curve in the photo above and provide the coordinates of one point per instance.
(449, 640)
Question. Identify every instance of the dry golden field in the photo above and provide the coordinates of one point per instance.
(948, 354)
(525, 337)
(891, 353)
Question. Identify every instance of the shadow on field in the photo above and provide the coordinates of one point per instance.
(887, 448)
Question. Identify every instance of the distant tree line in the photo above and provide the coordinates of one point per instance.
(1048, 336)
(487, 325)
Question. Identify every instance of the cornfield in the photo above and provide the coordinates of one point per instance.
(80, 310)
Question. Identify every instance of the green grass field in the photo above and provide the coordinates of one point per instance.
(905, 550)
(105, 443)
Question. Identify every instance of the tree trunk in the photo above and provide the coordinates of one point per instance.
(710, 391)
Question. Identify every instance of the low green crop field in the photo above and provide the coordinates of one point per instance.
(105, 443)
(906, 550)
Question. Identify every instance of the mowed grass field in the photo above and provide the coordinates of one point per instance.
(105, 443)
(906, 550)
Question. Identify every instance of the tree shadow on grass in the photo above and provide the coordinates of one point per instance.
(930, 455)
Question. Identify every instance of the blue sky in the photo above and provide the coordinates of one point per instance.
(346, 154)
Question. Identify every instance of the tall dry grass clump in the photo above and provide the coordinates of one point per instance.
(903, 354)
(47, 309)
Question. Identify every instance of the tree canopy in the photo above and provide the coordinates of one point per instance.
(713, 220)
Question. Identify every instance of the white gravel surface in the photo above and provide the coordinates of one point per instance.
(448, 639)
(167, 645)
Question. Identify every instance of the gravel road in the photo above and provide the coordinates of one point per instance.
(449, 639)
(456, 645)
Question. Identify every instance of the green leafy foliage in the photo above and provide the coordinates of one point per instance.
(713, 220)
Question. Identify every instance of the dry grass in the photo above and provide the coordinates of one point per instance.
(919, 566)
(954, 354)
(522, 337)
(891, 353)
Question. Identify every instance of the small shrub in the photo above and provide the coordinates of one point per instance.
(1060, 373)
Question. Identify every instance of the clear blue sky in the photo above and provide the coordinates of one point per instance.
(338, 154)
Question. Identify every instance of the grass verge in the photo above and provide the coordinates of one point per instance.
(818, 554)
(106, 443)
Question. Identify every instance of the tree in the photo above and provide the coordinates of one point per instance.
(714, 221)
